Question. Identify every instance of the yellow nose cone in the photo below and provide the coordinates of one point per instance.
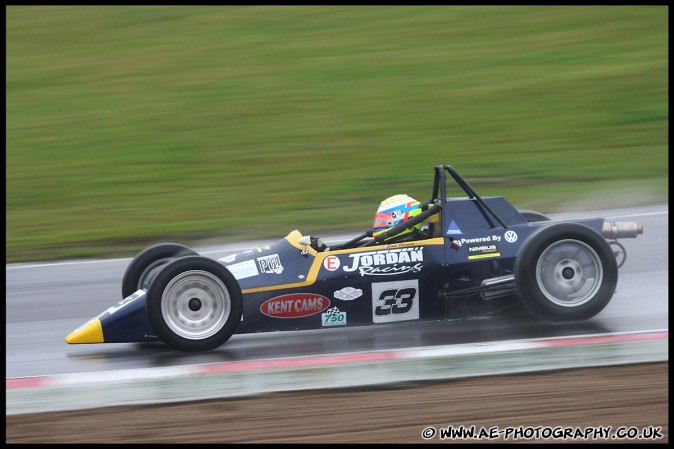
(89, 332)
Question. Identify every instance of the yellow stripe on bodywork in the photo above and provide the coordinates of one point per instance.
(90, 332)
(293, 239)
(484, 256)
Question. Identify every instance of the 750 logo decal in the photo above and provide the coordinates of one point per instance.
(333, 317)
(395, 301)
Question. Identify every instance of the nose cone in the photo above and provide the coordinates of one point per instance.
(89, 332)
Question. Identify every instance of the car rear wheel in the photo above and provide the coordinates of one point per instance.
(194, 304)
(566, 272)
(145, 266)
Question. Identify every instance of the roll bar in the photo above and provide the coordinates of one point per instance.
(440, 188)
(431, 207)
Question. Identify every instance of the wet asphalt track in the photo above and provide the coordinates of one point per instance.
(45, 301)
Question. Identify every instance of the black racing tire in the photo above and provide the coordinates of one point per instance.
(194, 304)
(566, 272)
(533, 216)
(147, 263)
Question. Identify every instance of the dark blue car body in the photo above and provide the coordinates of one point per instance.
(466, 265)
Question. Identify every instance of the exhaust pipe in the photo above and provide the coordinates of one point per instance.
(621, 229)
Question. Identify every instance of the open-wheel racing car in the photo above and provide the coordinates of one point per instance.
(469, 256)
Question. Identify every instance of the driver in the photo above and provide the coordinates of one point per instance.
(394, 210)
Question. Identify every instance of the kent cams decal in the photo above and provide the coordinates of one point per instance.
(296, 305)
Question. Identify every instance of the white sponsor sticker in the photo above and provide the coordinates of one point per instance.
(228, 259)
(387, 262)
(129, 299)
(331, 263)
(511, 236)
(395, 301)
(348, 293)
(333, 317)
(270, 264)
(453, 228)
(243, 270)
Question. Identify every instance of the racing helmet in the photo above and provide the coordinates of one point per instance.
(394, 210)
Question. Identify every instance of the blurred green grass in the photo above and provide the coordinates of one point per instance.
(129, 125)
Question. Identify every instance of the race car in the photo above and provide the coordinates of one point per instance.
(473, 256)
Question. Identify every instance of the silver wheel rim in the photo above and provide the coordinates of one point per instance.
(195, 304)
(569, 273)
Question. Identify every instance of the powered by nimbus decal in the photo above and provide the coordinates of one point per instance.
(480, 251)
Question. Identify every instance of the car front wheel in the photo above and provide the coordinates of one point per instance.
(194, 304)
